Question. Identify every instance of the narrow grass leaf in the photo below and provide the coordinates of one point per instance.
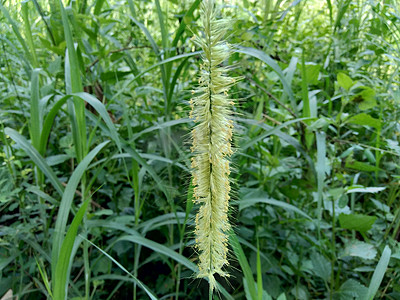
(287, 138)
(136, 156)
(321, 169)
(15, 29)
(45, 279)
(379, 272)
(128, 279)
(182, 25)
(102, 111)
(160, 126)
(60, 281)
(28, 33)
(274, 130)
(66, 202)
(161, 249)
(48, 123)
(76, 82)
(286, 206)
(35, 120)
(72, 72)
(119, 277)
(148, 35)
(163, 27)
(39, 161)
(259, 273)
(244, 264)
(271, 63)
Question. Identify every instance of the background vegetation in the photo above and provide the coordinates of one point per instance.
(95, 158)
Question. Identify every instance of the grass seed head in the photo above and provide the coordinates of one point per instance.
(211, 145)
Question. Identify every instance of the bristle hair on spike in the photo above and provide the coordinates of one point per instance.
(211, 109)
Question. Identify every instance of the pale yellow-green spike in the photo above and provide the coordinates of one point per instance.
(212, 135)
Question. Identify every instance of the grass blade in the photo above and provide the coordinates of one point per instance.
(183, 24)
(274, 130)
(290, 140)
(270, 62)
(379, 272)
(102, 111)
(16, 30)
(48, 123)
(60, 281)
(72, 74)
(35, 120)
(164, 31)
(259, 273)
(118, 277)
(147, 34)
(286, 206)
(36, 158)
(170, 253)
(244, 264)
(65, 206)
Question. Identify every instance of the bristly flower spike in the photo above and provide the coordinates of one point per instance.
(212, 136)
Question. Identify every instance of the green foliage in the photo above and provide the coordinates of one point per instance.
(95, 161)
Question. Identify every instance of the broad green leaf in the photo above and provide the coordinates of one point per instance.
(352, 289)
(344, 81)
(281, 297)
(361, 223)
(247, 36)
(365, 99)
(365, 119)
(321, 266)
(360, 249)
(312, 73)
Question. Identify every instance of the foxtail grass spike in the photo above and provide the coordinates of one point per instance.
(212, 136)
